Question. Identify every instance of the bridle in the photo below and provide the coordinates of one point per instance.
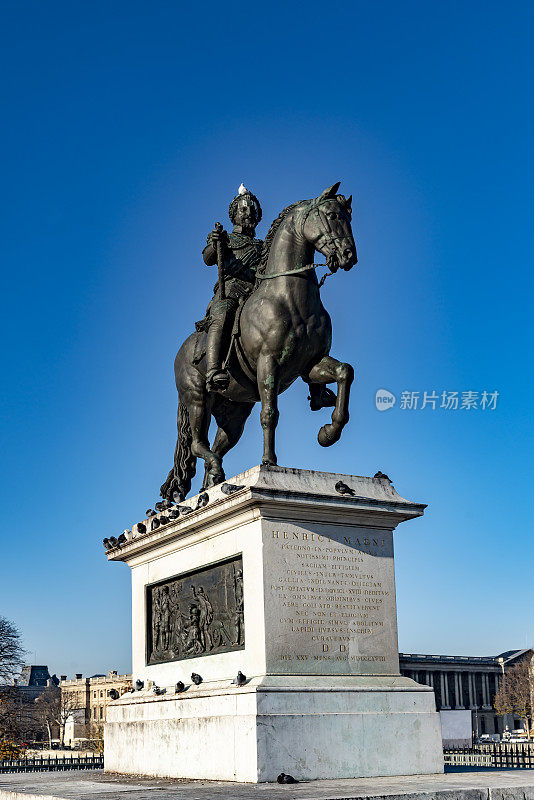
(326, 233)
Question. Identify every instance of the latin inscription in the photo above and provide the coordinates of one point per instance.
(334, 597)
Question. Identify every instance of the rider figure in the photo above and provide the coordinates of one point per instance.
(241, 256)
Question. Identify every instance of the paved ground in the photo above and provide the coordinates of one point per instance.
(98, 785)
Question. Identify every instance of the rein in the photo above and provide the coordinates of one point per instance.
(296, 271)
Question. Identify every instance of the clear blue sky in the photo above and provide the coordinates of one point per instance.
(127, 128)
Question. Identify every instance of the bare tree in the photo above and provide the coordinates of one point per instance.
(95, 739)
(53, 708)
(46, 711)
(516, 692)
(17, 720)
(10, 738)
(11, 650)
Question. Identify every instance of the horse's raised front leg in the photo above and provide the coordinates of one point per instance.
(268, 383)
(329, 370)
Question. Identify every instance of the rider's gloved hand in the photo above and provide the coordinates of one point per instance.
(217, 235)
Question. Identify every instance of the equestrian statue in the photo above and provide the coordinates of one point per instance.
(265, 327)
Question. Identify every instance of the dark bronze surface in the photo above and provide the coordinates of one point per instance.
(265, 327)
(196, 614)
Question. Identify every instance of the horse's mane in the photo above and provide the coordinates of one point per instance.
(272, 232)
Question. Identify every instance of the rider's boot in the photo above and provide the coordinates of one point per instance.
(320, 396)
(217, 379)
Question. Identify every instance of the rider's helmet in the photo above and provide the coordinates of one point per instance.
(243, 191)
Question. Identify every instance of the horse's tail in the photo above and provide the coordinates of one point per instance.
(178, 482)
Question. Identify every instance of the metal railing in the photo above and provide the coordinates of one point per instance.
(51, 764)
(494, 755)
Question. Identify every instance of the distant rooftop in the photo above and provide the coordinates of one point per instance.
(508, 655)
(33, 675)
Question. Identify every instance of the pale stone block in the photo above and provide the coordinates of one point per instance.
(323, 698)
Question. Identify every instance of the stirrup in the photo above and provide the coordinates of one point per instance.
(326, 399)
(217, 379)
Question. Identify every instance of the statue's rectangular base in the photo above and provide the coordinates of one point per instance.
(286, 579)
(310, 728)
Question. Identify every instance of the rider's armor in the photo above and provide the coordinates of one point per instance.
(241, 257)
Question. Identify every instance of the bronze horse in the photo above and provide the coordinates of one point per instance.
(284, 333)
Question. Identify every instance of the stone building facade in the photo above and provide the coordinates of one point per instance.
(89, 698)
(466, 682)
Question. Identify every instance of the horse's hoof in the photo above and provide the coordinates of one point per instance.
(328, 435)
(213, 479)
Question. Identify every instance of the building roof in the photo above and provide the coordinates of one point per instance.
(33, 675)
(511, 655)
(507, 656)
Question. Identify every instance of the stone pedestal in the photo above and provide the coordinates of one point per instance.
(287, 577)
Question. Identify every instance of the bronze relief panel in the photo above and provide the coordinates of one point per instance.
(196, 614)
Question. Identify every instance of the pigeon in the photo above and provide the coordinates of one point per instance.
(230, 488)
(196, 678)
(113, 693)
(150, 512)
(122, 538)
(242, 189)
(180, 686)
(141, 527)
(163, 519)
(240, 679)
(159, 690)
(154, 524)
(203, 500)
(185, 509)
(139, 684)
(106, 543)
(113, 541)
(342, 488)
(383, 475)
(174, 514)
(283, 778)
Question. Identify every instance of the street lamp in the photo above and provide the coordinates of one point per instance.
(501, 664)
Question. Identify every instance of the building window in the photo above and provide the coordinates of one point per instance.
(464, 683)
(449, 677)
(101, 712)
(437, 690)
(478, 690)
(101, 694)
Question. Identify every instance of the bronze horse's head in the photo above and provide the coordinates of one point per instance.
(327, 225)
